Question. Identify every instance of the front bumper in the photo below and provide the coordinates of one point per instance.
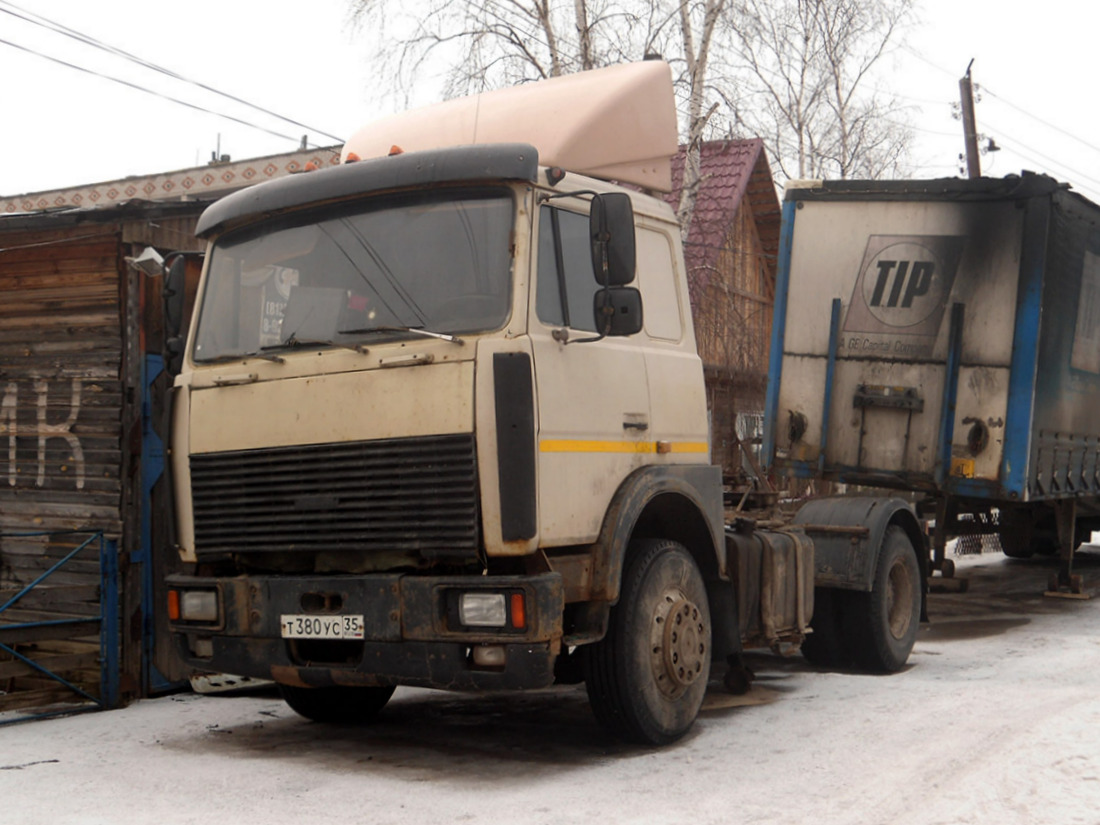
(411, 633)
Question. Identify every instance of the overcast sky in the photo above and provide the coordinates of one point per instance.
(62, 127)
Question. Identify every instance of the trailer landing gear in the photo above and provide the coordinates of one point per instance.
(945, 582)
(1060, 586)
(1065, 584)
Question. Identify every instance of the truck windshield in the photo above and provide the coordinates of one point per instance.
(381, 269)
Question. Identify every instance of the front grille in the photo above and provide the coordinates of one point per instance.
(406, 494)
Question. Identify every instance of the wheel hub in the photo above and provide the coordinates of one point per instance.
(679, 648)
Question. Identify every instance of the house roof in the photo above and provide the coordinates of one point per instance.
(184, 184)
(731, 171)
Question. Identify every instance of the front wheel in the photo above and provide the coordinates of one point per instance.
(347, 705)
(884, 622)
(647, 677)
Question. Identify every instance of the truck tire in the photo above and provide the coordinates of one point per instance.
(828, 646)
(341, 705)
(647, 677)
(1017, 544)
(1015, 549)
(882, 625)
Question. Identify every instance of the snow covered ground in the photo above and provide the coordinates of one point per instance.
(997, 720)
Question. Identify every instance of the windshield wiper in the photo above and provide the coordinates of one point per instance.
(427, 333)
(294, 342)
(241, 356)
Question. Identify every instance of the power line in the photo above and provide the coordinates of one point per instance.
(131, 85)
(1059, 170)
(1038, 119)
(58, 28)
(924, 59)
(1046, 158)
(1043, 160)
(919, 128)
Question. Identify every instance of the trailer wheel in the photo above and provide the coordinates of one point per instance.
(646, 678)
(346, 705)
(883, 624)
(828, 645)
(1017, 544)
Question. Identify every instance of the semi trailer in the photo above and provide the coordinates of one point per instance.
(942, 338)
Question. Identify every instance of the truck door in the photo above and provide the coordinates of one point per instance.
(593, 398)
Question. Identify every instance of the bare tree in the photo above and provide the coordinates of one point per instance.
(807, 91)
(486, 44)
(696, 55)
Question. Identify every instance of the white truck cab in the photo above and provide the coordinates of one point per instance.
(441, 420)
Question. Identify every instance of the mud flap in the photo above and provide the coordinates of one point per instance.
(726, 636)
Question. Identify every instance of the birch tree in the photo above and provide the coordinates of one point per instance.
(807, 89)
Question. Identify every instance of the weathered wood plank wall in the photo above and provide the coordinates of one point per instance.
(63, 402)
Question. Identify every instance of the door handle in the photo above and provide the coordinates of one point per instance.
(639, 424)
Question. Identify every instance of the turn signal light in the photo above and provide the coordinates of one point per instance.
(519, 611)
(193, 605)
(504, 609)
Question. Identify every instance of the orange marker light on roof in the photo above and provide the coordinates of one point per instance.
(311, 167)
(396, 150)
(351, 158)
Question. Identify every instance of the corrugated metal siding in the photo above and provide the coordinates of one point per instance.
(61, 435)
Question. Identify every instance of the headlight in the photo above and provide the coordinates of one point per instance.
(482, 610)
(193, 605)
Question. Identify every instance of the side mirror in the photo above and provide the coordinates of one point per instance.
(173, 355)
(618, 311)
(611, 227)
(174, 294)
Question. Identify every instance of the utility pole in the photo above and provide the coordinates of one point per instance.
(970, 127)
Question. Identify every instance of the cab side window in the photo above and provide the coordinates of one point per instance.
(657, 280)
(566, 282)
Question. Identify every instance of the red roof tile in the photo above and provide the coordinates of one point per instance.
(730, 171)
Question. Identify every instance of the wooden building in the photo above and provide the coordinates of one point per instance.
(731, 251)
(80, 456)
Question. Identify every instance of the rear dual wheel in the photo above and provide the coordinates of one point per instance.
(647, 678)
(884, 623)
(874, 631)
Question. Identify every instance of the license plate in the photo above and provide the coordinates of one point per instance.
(300, 626)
